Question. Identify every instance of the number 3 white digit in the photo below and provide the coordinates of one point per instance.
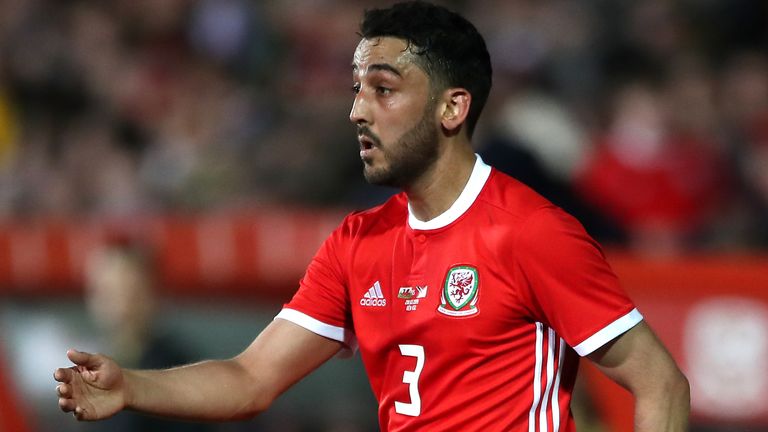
(411, 378)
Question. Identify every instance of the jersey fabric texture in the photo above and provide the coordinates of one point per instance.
(474, 320)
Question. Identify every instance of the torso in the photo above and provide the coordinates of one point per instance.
(455, 318)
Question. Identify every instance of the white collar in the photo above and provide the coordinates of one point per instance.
(480, 174)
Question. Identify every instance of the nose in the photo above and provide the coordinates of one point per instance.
(359, 113)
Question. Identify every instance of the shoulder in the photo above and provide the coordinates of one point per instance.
(392, 213)
(510, 196)
(531, 217)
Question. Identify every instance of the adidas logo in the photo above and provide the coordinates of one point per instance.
(374, 296)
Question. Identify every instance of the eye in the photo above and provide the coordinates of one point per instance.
(384, 91)
(356, 88)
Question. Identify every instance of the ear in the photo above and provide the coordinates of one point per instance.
(455, 109)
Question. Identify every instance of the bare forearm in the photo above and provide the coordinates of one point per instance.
(664, 412)
(207, 391)
(640, 363)
(238, 388)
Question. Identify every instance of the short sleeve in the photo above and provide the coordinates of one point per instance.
(321, 303)
(566, 282)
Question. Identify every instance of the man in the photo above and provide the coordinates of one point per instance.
(469, 295)
(121, 296)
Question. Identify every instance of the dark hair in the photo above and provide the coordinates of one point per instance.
(448, 47)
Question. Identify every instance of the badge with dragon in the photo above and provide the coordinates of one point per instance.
(459, 296)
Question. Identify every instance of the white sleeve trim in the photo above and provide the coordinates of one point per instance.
(339, 334)
(609, 332)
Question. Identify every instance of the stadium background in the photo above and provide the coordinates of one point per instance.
(217, 132)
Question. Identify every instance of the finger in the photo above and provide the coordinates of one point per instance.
(64, 391)
(80, 413)
(63, 375)
(67, 405)
(81, 358)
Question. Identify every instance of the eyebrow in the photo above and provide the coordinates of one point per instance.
(380, 67)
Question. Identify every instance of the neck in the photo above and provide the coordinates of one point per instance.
(434, 192)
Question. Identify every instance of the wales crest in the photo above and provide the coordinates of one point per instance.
(459, 295)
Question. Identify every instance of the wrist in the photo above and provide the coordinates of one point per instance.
(130, 378)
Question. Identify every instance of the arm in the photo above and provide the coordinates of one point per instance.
(241, 387)
(639, 362)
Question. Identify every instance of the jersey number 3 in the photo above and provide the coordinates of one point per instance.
(412, 408)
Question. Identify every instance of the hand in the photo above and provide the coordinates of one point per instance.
(93, 389)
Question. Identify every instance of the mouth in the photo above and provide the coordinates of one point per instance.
(366, 143)
(369, 144)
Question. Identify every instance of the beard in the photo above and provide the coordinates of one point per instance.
(406, 159)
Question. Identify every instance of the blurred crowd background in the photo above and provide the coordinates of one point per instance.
(647, 119)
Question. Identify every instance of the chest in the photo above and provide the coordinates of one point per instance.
(432, 289)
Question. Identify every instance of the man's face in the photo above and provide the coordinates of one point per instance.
(394, 113)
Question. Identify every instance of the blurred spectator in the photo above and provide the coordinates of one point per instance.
(548, 130)
(744, 104)
(121, 297)
(662, 183)
(538, 142)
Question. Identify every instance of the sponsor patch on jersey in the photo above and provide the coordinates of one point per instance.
(374, 297)
(412, 296)
(459, 295)
(406, 293)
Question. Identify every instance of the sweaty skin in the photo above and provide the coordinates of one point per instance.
(392, 90)
(395, 108)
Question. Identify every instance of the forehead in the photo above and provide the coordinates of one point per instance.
(383, 51)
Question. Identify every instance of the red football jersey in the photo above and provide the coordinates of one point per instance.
(472, 321)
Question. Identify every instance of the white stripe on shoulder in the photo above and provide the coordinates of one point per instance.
(336, 333)
(609, 332)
